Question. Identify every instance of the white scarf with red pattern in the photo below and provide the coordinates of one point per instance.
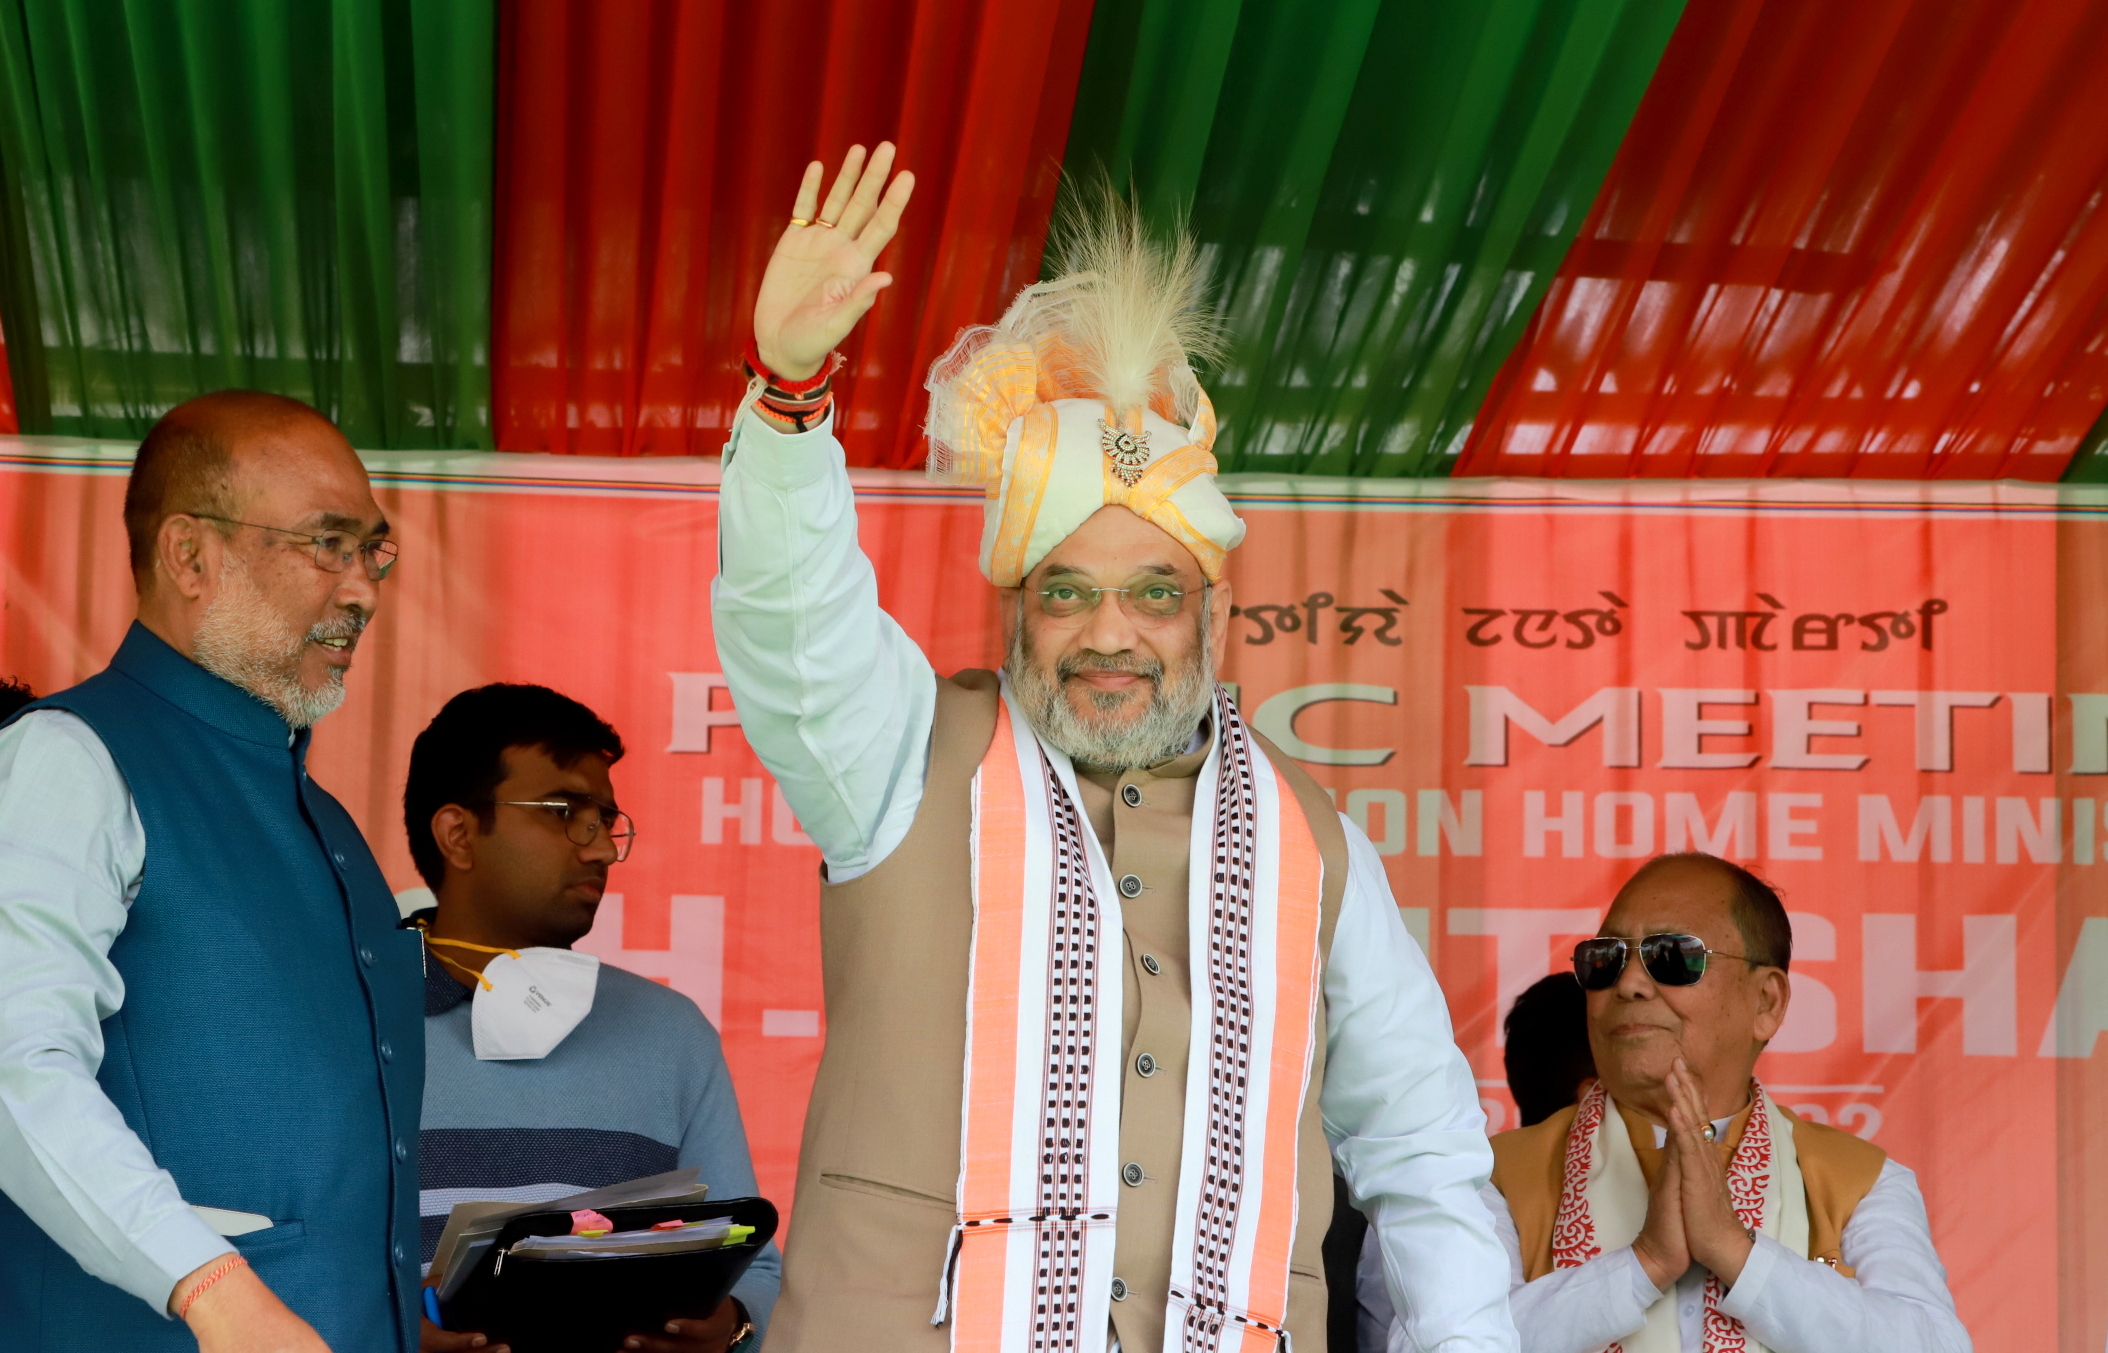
(1603, 1206)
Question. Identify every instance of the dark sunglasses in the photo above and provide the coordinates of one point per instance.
(1671, 960)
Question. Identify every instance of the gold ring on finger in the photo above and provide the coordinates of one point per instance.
(800, 221)
(827, 225)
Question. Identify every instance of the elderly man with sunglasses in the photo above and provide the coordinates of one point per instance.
(1111, 986)
(210, 1059)
(1680, 1207)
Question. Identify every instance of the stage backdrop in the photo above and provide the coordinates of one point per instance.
(1891, 699)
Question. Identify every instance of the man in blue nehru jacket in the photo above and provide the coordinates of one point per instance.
(211, 1057)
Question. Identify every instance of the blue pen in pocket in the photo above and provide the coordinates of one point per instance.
(432, 1306)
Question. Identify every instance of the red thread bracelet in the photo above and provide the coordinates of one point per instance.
(828, 367)
(234, 1261)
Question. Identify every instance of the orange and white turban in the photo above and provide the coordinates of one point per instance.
(1082, 397)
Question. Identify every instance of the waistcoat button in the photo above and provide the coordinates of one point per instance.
(1131, 795)
(1149, 962)
(1119, 1289)
(339, 857)
(365, 956)
(398, 1252)
(1145, 1065)
(387, 1051)
(1132, 1174)
(402, 1152)
(1130, 886)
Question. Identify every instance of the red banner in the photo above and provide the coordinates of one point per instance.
(1892, 700)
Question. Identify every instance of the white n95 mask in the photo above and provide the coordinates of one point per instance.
(530, 1000)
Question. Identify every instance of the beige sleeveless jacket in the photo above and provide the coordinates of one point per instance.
(1529, 1169)
(880, 1162)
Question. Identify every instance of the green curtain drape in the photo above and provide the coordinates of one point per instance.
(212, 193)
(1383, 190)
(2089, 464)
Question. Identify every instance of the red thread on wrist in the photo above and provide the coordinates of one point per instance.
(828, 367)
(234, 1261)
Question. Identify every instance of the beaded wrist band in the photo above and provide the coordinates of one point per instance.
(234, 1261)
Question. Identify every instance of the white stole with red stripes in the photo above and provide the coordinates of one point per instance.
(1603, 1206)
(1031, 1263)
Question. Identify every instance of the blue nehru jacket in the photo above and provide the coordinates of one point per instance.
(270, 1049)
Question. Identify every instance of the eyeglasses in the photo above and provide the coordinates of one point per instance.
(1671, 960)
(1146, 597)
(333, 549)
(584, 819)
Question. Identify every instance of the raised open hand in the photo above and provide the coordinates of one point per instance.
(819, 281)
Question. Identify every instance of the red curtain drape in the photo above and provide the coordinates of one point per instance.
(1854, 239)
(647, 158)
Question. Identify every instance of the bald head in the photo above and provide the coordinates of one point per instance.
(1760, 917)
(1718, 1025)
(257, 547)
(193, 461)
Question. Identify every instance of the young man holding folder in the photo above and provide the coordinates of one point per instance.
(605, 1076)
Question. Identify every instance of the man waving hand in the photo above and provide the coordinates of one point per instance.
(1111, 987)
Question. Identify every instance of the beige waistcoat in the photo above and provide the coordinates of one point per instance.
(1529, 1169)
(879, 1169)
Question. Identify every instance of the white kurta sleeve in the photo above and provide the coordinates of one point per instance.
(1573, 1310)
(1897, 1302)
(72, 852)
(1402, 1112)
(833, 696)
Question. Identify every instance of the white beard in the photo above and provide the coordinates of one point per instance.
(241, 638)
(1164, 730)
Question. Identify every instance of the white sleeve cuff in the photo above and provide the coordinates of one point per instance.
(784, 460)
(1582, 1309)
(176, 1246)
(1747, 1294)
(1644, 1292)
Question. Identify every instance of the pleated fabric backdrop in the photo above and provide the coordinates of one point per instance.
(204, 193)
(1837, 239)
(648, 154)
(1840, 240)
(1384, 192)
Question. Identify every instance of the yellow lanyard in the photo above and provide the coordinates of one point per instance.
(464, 944)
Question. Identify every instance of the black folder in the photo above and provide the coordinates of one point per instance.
(556, 1303)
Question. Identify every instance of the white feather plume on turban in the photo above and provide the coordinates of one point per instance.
(1083, 396)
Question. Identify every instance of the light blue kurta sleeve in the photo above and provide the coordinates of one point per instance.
(72, 853)
(833, 695)
(1401, 1109)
